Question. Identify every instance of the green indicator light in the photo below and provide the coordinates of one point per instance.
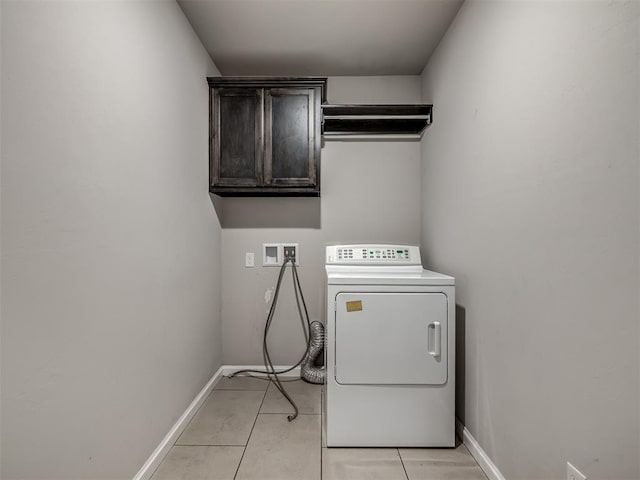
(399, 251)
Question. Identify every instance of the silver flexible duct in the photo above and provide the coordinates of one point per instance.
(308, 370)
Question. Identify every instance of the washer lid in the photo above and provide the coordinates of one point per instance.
(376, 275)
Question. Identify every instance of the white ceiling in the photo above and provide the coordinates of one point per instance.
(320, 37)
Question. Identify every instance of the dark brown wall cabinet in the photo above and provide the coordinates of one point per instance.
(265, 135)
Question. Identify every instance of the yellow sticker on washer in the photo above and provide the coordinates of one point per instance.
(354, 306)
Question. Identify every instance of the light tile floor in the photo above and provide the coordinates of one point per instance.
(241, 432)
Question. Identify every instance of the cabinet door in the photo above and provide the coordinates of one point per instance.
(236, 136)
(292, 143)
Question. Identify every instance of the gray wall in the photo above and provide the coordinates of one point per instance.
(530, 198)
(370, 193)
(110, 242)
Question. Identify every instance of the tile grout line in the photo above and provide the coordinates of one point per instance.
(321, 451)
(189, 424)
(176, 444)
(208, 445)
(402, 462)
(288, 413)
(251, 432)
(239, 390)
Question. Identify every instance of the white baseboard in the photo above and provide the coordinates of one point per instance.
(487, 466)
(170, 438)
(161, 451)
(229, 369)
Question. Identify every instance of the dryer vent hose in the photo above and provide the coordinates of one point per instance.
(308, 370)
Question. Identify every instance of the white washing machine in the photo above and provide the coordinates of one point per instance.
(390, 349)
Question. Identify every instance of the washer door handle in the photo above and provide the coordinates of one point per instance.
(435, 331)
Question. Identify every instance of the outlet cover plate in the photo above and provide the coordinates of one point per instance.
(271, 254)
(291, 245)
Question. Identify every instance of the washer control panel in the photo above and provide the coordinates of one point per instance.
(373, 254)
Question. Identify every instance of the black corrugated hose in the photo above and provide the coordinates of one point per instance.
(269, 370)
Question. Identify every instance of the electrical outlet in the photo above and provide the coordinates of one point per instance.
(573, 473)
(249, 259)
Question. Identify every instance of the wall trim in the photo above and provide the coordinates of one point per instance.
(476, 451)
(170, 438)
(229, 369)
(161, 451)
